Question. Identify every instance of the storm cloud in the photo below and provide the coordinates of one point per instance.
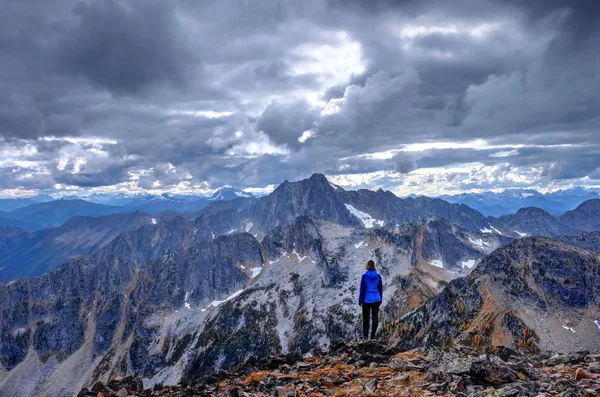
(413, 96)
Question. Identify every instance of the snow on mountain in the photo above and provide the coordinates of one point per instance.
(365, 218)
(437, 263)
(229, 193)
(469, 263)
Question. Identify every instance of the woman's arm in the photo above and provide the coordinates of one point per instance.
(380, 288)
(363, 290)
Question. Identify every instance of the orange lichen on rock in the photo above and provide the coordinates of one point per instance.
(339, 369)
(256, 377)
(408, 355)
(377, 372)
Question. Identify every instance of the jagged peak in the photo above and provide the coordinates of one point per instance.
(316, 177)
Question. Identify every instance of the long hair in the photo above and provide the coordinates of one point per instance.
(370, 264)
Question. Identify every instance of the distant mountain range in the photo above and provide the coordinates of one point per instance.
(33, 214)
(511, 200)
(30, 254)
(54, 213)
(27, 214)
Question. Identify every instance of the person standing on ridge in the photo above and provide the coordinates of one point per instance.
(371, 295)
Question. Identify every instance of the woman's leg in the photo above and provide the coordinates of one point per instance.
(366, 308)
(375, 308)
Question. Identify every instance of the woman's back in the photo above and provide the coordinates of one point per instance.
(372, 281)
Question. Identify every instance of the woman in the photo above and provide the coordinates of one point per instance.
(371, 294)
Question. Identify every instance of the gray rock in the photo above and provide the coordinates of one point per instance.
(121, 393)
(370, 385)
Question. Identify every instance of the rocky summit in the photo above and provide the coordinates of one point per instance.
(373, 369)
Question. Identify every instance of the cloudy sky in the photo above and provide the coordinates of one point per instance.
(414, 96)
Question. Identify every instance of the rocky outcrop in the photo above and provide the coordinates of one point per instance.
(534, 294)
(371, 368)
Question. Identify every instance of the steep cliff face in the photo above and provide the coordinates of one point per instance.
(92, 319)
(314, 197)
(533, 294)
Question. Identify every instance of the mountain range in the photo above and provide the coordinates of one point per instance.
(510, 201)
(27, 254)
(178, 297)
(42, 212)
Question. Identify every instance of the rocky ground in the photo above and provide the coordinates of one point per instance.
(372, 369)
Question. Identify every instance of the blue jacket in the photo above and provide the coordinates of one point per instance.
(371, 288)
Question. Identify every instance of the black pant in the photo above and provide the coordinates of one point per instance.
(367, 309)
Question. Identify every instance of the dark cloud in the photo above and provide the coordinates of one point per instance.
(404, 163)
(111, 174)
(285, 122)
(125, 47)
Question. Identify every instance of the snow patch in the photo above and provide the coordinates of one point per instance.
(300, 259)
(153, 221)
(478, 242)
(525, 195)
(437, 263)
(242, 267)
(521, 234)
(272, 262)
(242, 194)
(19, 331)
(230, 297)
(218, 197)
(569, 328)
(185, 301)
(365, 218)
(249, 226)
(231, 231)
(597, 323)
(486, 230)
(255, 271)
(213, 234)
(496, 230)
(358, 245)
(470, 263)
